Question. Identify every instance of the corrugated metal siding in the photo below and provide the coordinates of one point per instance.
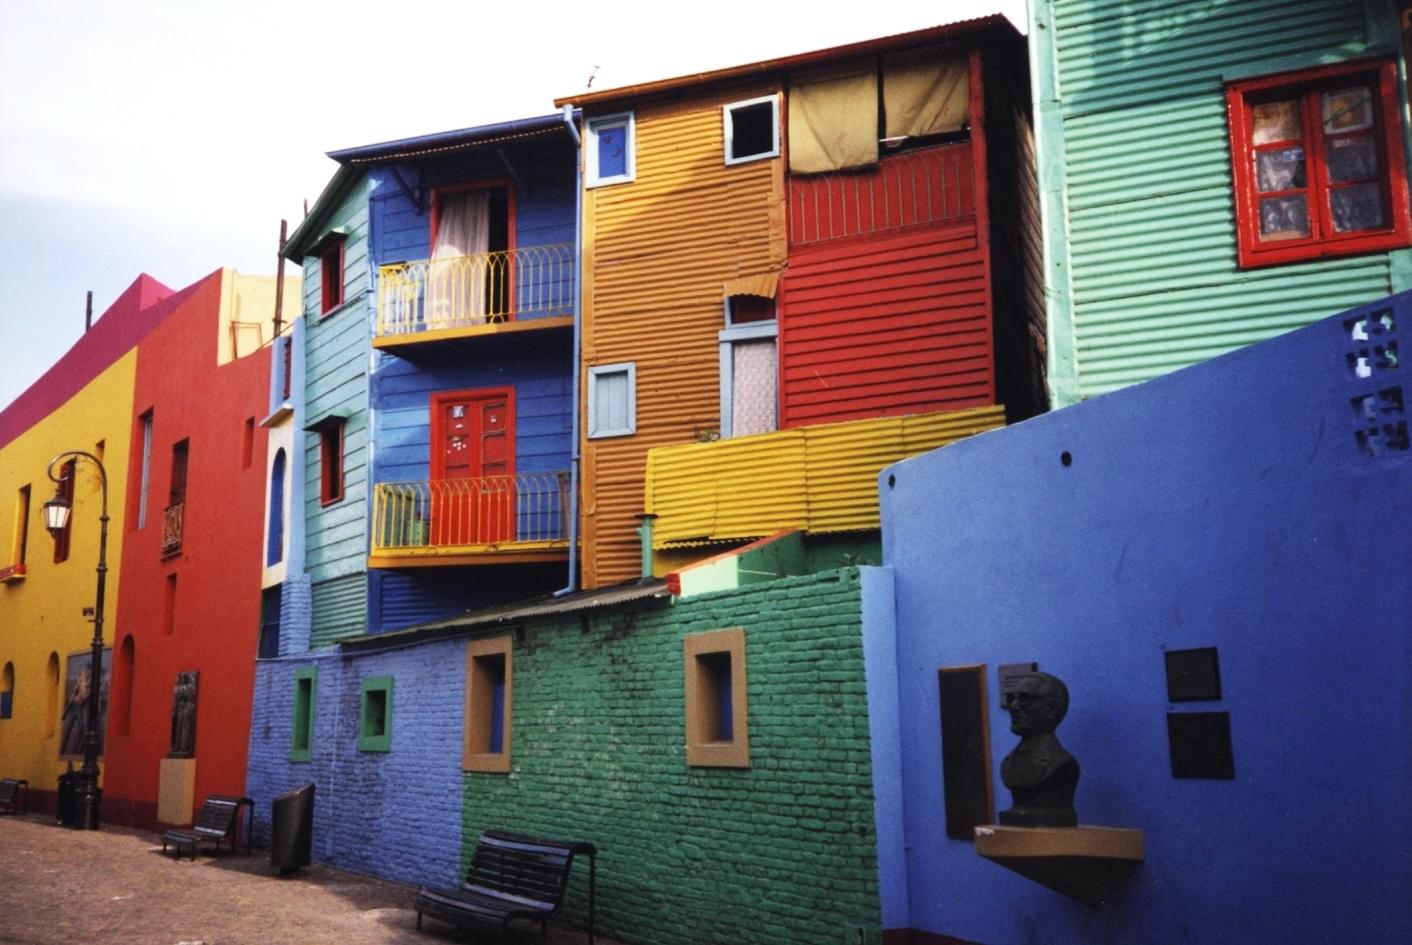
(1151, 219)
(820, 478)
(886, 325)
(657, 252)
(340, 610)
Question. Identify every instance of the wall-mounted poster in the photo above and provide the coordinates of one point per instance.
(77, 683)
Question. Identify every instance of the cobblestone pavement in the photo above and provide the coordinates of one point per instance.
(114, 887)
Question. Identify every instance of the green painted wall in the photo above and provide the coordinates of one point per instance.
(1140, 246)
(783, 852)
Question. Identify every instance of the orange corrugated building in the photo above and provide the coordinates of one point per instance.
(835, 237)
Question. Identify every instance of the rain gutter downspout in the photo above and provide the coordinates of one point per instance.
(574, 455)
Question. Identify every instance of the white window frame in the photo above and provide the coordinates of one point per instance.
(594, 125)
(727, 338)
(594, 373)
(728, 128)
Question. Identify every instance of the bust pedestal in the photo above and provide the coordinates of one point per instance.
(1083, 863)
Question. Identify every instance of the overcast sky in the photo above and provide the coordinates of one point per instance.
(166, 138)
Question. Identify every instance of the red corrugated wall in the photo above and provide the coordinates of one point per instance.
(885, 307)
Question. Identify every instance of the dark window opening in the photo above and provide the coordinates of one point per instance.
(752, 130)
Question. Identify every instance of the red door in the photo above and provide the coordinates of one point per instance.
(473, 468)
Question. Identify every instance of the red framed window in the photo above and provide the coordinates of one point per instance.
(331, 276)
(330, 460)
(1318, 166)
(67, 472)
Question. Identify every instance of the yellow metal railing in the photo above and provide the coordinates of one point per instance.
(819, 478)
(489, 510)
(483, 289)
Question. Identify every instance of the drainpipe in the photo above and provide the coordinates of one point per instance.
(644, 534)
(574, 454)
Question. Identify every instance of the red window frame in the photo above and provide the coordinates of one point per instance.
(331, 276)
(1323, 241)
(331, 461)
(65, 490)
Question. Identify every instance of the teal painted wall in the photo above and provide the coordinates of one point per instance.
(335, 372)
(1141, 271)
(783, 852)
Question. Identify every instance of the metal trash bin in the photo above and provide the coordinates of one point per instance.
(66, 805)
(292, 829)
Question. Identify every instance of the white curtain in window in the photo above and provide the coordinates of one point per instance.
(754, 387)
(456, 285)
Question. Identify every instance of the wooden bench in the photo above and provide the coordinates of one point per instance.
(511, 877)
(13, 794)
(217, 822)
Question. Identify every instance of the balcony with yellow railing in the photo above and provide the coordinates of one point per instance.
(487, 520)
(818, 479)
(460, 297)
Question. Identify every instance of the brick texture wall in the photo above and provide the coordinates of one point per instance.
(781, 852)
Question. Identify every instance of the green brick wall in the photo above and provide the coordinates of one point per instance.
(782, 852)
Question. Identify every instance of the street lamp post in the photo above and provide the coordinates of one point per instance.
(56, 519)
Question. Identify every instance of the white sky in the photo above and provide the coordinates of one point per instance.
(171, 137)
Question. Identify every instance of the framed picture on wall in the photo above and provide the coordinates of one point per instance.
(74, 718)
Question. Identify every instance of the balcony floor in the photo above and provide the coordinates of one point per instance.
(437, 556)
(410, 344)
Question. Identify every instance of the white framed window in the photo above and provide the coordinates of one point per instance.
(749, 367)
(752, 129)
(611, 152)
(612, 400)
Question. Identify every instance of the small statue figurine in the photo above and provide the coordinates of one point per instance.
(184, 716)
(1040, 774)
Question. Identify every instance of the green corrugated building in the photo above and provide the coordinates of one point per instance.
(1213, 172)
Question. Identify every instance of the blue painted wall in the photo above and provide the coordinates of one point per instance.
(1225, 505)
(395, 814)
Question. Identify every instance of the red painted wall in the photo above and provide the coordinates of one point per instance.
(215, 623)
(886, 307)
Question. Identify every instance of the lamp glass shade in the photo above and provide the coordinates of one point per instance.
(56, 516)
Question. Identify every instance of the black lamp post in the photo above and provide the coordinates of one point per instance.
(56, 519)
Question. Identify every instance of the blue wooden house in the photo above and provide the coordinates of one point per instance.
(472, 250)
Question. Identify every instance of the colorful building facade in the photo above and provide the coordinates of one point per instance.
(1234, 651)
(188, 615)
(843, 237)
(1213, 174)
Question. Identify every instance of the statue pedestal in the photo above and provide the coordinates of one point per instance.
(176, 790)
(1083, 863)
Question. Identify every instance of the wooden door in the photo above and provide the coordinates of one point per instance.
(473, 468)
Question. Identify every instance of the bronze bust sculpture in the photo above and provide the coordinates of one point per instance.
(1040, 774)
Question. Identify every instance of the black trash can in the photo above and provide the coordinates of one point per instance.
(292, 829)
(67, 802)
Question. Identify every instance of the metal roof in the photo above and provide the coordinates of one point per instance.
(459, 140)
(543, 606)
(934, 34)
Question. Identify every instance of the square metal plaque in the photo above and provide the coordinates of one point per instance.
(1193, 675)
(1201, 745)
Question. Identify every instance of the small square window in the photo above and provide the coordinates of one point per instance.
(717, 726)
(305, 690)
(752, 129)
(375, 715)
(612, 400)
(489, 684)
(1317, 164)
(610, 152)
(331, 276)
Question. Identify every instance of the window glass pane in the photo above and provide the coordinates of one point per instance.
(752, 130)
(612, 151)
(1284, 218)
(1359, 207)
(1347, 109)
(610, 401)
(1350, 159)
(1275, 121)
(1282, 169)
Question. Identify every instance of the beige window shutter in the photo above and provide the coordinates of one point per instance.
(833, 120)
(926, 92)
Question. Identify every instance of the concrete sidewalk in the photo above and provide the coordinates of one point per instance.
(114, 887)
